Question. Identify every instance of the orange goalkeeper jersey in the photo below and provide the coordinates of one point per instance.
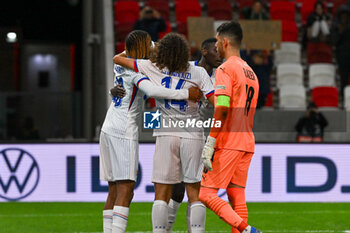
(234, 78)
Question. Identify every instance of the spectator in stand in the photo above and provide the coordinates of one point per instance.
(341, 41)
(310, 127)
(318, 24)
(261, 63)
(151, 22)
(256, 12)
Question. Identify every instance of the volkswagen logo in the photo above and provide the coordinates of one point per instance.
(19, 174)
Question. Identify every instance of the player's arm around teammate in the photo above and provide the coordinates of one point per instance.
(177, 151)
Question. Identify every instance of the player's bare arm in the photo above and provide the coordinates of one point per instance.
(211, 99)
(120, 59)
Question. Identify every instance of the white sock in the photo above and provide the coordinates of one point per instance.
(188, 217)
(120, 219)
(247, 230)
(107, 221)
(159, 216)
(173, 206)
(198, 212)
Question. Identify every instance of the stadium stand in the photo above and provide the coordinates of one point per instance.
(126, 11)
(290, 52)
(319, 53)
(292, 97)
(347, 97)
(321, 75)
(282, 10)
(122, 29)
(185, 9)
(289, 74)
(244, 3)
(220, 10)
(307, 6)
(335, 4)
(288, 60)
(269, 100)
(325, 97)
(120, 47)
(162, 6)
(289, 31)
(168, 29)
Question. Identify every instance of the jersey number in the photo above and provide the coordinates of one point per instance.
(166, 82)
(118, 101)
(250, 94)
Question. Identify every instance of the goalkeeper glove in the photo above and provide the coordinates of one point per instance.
(208, 152)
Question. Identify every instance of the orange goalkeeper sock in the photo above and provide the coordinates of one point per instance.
(209, 197)
(236, 197)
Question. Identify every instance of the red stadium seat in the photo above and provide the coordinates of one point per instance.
(282, 11)
(162, 6)
(307, 7)
(220, 10)
(289, 31)
(319, 53)
(184, 9)
(120, 47)
(245, 3)
(126, 11)
(182, 28)
(269, 100)
(122, 30)
(325, 96)
(336, 4)
(168, 29)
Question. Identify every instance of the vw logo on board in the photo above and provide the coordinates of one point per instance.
(19, 174)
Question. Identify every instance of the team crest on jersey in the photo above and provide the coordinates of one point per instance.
(151, 120)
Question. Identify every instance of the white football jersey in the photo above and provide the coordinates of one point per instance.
(124, 113)
(176, 114)
(206, 109)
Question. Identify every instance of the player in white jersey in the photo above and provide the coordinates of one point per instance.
(177, 153)
(119, 136)
(210, 60)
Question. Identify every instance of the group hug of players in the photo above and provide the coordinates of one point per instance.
(182, 158)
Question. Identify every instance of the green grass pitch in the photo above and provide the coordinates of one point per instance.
(86, 217)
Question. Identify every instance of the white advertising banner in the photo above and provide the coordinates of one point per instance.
(70, 173)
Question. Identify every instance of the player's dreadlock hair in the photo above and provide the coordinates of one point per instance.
(138, 44)
(172, 52)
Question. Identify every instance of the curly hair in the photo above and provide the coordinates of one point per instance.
(138, 44)
(172, 52)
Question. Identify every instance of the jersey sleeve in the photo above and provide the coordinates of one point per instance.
(157, 92)
(207, 86)
(223, 83)
(151, 90)
(142, 65)
(138, 78)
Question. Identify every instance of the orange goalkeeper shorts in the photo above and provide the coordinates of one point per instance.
(229, 166)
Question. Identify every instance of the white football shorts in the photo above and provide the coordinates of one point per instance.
(118, 158)
(177, 160)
